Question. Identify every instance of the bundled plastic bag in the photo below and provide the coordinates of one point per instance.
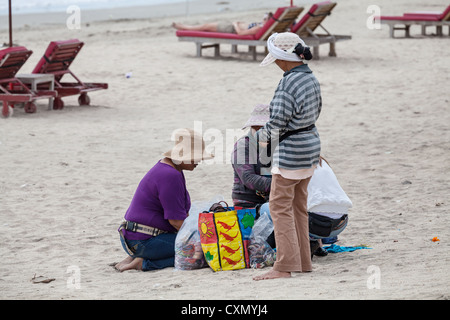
(260, 252)
(188, 249)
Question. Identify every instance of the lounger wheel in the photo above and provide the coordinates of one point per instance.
(58, 104)
(84, 99)
(30, 107)
(7, 112)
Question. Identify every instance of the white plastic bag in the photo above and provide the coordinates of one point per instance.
(260, 252)
(188, 248)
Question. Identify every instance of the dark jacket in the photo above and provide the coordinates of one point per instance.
(250, 187)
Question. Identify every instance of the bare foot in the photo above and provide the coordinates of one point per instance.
(136, 264)
(272, 274)
(177, 26)
(125, 261)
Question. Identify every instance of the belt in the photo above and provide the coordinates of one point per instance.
(136, 227)
(288, 134)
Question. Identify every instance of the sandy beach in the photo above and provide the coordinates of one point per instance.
(68, 176)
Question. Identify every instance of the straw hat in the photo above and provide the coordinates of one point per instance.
(281, 46)
(259, 116)
(189, 147)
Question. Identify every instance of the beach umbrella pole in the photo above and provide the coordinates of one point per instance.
(10, 25)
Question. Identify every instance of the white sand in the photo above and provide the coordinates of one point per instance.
(68, 176)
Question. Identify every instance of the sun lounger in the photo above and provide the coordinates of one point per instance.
(57, 60)
(280, 21)
(12, 89)
(424, 19)
(306, 28)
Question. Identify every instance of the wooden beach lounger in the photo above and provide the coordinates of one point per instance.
(421, 18)
(307, 26)
(12, 89)
(281, 20)
(57, 60)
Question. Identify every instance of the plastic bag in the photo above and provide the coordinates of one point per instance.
(261, 253)
(188, 249)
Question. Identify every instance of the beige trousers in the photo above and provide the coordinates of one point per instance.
(288, 209)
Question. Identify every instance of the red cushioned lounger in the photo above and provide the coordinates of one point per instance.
(423, 19)
(12, 90)
(280, 21)
(56, 60)
(307, 25)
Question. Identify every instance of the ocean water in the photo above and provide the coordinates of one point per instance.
(45, 6)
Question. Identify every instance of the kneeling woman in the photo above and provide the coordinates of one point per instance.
(159, 206)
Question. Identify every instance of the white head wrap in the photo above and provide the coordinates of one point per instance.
(281, 47)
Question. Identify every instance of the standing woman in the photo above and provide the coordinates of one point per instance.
(160, 205)
(294, 110)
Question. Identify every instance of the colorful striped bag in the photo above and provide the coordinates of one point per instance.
(224, 237)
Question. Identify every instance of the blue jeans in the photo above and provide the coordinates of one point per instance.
(158, 252)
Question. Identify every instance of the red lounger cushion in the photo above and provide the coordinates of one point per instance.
(221, 35)
(308, 15)
(423, 15)
(207, 34)
(410, 17)
(4, 52)
(49, 51)
(10, 66)
(420, 16)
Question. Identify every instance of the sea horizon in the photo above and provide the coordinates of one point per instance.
(51, 6)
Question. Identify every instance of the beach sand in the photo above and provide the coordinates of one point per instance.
(68, 176)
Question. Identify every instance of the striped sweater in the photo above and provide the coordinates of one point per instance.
(296, 104)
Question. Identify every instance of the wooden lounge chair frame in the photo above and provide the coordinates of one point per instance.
(12, 90)
(57, 60)
(306, 28)
(422, 19)
(280, 21)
